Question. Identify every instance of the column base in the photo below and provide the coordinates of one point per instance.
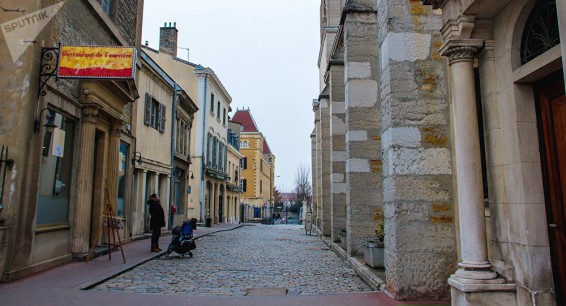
(472, 292)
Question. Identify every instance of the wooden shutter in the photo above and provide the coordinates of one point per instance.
(162, 109)
(147, 110)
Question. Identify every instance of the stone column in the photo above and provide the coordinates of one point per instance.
(363, 156)
(83, 206)
(473, 246)
(113, 163)
(165, 200)
(338, 148)
(141, 205)
(326, 168)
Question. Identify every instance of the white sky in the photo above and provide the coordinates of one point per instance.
(265, 53)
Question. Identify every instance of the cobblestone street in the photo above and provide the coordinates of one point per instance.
(251, 260)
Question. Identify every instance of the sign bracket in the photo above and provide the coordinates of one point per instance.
(48, 67)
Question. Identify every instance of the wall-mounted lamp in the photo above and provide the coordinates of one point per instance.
(137, 158)
(192, 177)
(50, 125)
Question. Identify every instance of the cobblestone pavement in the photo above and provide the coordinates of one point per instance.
(251, 260)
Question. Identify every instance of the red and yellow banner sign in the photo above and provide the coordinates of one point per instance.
(96, 62)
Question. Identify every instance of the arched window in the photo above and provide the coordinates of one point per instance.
(541, 31)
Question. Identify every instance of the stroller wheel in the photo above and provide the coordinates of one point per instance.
(190, 255)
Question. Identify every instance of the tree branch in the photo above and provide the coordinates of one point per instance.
(18, 10)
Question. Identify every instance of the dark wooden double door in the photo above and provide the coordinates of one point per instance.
(553, 127)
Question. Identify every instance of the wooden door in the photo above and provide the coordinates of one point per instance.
(553, 115)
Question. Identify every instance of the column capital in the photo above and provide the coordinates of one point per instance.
(90, 113)
(458, 50)
(116, 128)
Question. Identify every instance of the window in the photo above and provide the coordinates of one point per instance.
(106, 6)
(55, 175)
(154, 114)
(244, 163)
(208, 148)
(212, 103)
(245, 144)
(541, 31)
(224, 117)
(260, 186)
(243, 184)
(218, 110)
(124, 148)
(261, 166)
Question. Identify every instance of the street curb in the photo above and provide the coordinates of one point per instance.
(361, 269)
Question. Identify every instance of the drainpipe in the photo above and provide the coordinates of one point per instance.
(202, 164)
(172, 180)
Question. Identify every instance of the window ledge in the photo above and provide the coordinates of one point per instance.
(52, 227)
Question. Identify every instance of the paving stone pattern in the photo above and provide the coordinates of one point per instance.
(243, 260)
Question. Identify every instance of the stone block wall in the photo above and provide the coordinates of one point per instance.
(338, 147)
(362, 121)
(420, 243)
(326, 167)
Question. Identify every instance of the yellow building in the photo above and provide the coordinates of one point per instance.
(257, 169)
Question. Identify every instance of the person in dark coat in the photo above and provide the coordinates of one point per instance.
(156, 221)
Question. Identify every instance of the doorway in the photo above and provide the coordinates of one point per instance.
(553, 129)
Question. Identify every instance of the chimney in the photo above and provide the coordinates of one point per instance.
(168, 39)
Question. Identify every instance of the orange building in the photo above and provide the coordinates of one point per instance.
(257, 169)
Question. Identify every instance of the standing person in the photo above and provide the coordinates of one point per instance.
(156, 221)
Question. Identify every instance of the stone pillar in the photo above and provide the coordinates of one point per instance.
(363, 157)
(138, 224)
(114, 163)
(418, 215)
(212, 200)
(326, 168)
(83, 206)
(475, 273)
(313, 170)
(316, 173)
(338, 148)
(165, 200)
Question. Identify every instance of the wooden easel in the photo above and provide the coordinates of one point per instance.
(112, 225)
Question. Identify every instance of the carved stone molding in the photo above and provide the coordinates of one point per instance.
(459, 54)
(90, 113)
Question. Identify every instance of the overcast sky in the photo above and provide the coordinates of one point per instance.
(265, 53)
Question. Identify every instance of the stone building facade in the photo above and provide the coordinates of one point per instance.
(506, 62)
(209, 191)
(257, 169)
(162, 125)
(457, 107)
(52, 205)
(383, 141)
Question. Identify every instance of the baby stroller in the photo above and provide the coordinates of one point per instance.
(182, 241)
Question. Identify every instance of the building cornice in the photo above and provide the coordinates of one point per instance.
(201, 71)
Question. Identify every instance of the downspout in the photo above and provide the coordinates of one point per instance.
(172, 180)
(202, 164)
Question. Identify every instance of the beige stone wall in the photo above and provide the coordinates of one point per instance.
(363, 131)
(338, 149)
(325, 163)
(417, 188)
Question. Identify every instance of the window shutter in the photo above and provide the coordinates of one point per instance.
(147, 109)
(162, 120)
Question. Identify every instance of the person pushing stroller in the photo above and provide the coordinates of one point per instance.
(182, 241)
